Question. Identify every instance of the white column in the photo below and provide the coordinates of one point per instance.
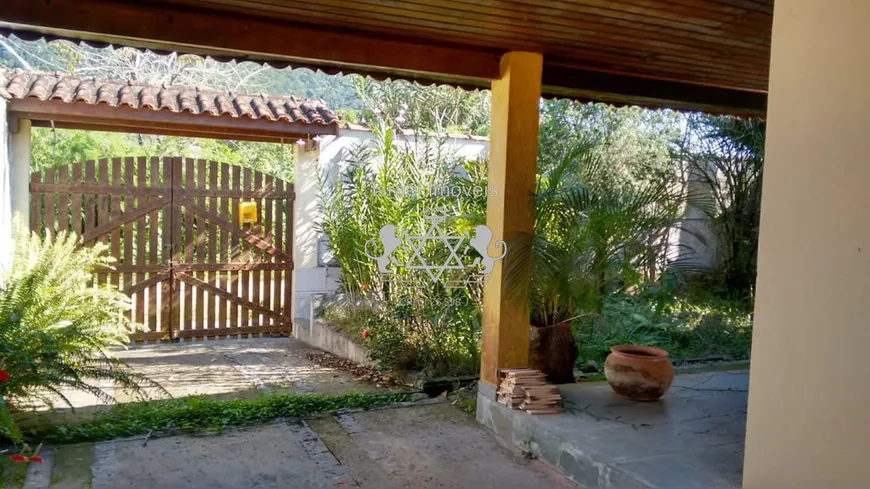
(20, 170)
(809, 397)
(306, 167)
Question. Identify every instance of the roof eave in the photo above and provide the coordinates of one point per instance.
(102, 117)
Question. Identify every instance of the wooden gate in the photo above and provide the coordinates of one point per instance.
(190, 268)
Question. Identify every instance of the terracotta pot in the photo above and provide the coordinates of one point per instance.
(552, 350)
(639, 373)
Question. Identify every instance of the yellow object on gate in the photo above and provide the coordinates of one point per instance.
(247, 212)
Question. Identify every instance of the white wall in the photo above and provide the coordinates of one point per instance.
(809, 394)
(335, 149)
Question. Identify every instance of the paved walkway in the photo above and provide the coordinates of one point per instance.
(425, 446)
(232, 368)
(422, 446)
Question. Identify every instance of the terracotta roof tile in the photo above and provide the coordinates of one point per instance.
(19, 84)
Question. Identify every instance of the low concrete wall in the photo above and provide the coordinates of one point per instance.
(324, 336)
(524, 431)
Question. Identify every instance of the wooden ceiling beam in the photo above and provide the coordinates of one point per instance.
(190, 29)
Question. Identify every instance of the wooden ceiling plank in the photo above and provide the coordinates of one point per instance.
(728, 72)
(534, 20)
(554, 12)
(333, 11)
(252, 36)
(451, 60)
(567, 11)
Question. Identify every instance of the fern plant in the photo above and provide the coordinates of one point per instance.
(57, 328)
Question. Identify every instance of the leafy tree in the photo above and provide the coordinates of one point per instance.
(431, 109)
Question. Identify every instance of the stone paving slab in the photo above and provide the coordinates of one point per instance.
(266, 457)
(692, 438)
(438, 446)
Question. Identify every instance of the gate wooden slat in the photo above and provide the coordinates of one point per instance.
(115, 241)
(141, 239)
(102, 206)
(129, 203)
(236, 251)
(49, 206)
(246, 257)
(90, 199)
(175, 244)
(200, 250)
(225, 254)
(187, 311)
(75, 209)
(279, 275)
(257, 230)
(269, 236)
(213, 277)
(35, 207)
(168, 301)
(153, 248)
(63, 201)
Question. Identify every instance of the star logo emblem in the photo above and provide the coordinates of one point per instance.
(434, 236)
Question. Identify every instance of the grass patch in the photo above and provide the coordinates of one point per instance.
(11, 474)
(199, 415)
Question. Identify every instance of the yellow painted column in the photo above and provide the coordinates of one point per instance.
(809, 390)
(511, 212)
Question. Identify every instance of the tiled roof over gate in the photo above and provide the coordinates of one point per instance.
(18, 84)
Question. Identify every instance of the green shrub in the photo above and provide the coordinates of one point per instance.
(56, 329)
(685, 326)
(437, 334)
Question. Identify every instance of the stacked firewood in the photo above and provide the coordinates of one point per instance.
(527, 389)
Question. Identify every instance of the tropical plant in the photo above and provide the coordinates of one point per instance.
(397, 181)
(56, 329)
(590, 239)
(418, 322)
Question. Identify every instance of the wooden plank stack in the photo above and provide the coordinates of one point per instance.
(527, 389)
